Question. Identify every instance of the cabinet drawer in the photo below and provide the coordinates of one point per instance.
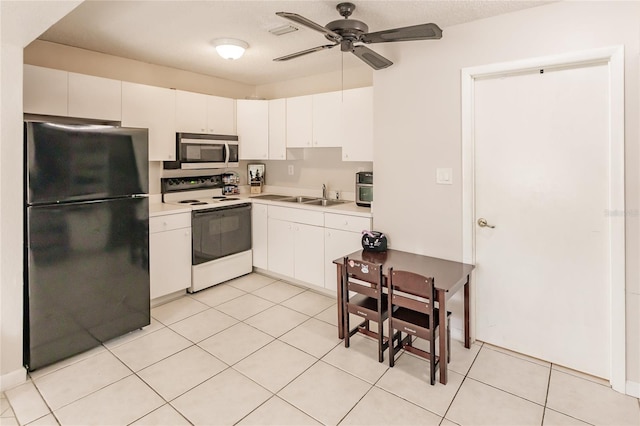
(309, 217)
(346, 222)
(169, 221)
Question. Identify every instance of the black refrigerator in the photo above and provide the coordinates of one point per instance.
(86, 237)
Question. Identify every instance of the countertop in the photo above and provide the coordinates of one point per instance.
(158, 208)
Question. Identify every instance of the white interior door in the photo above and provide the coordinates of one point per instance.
(542, 179)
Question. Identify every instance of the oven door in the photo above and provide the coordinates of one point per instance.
(220, 232)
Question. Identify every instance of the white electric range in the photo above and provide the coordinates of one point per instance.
(220, 229)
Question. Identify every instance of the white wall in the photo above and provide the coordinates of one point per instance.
(20, 22)
(418, 124)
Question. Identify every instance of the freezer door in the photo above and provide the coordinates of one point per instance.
(84, 162)
(87, 276)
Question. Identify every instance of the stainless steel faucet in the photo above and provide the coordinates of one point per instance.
(324, 191)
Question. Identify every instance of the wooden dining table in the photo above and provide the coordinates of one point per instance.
(449, 277)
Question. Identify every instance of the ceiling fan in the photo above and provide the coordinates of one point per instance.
(351, 34)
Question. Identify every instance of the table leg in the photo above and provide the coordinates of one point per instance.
(339, 302)
(467, 321)
(442, 336)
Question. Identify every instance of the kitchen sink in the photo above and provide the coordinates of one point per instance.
(325, 203)
(273, 197)
(300, 199)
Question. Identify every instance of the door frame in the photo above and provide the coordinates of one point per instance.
(614, 57)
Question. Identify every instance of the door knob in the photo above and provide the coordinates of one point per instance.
(482, 222)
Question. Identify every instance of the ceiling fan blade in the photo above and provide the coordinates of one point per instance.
(310, 24)
(415, 32)
(304, 52)
(373, 59)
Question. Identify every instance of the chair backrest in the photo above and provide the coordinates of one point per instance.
(411, 284)
(370, 273)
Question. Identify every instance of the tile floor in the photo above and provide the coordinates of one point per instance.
(257, 351)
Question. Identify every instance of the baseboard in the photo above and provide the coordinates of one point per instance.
(633, 389)
(13, 379)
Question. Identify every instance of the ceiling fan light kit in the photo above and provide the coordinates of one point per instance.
(230, 48)
(352, 34)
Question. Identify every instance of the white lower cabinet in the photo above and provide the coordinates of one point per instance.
(169, 253)
(296, 244)
(259, 235)
(343, 235)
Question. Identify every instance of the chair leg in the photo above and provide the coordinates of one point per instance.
(432, 359)
(448, 340)
(392, 346)
(346, 328)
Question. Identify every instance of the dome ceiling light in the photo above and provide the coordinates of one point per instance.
(230, 48)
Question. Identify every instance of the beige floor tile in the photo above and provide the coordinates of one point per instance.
(48, 420)
(582, 375)
(359, 359)
(325, 393)
(235, 343)
(177, 310)
(511, 374)
(77, 380)
(480, 404)
(409, 379)
(118, 404)
(12, 421)
(329, 315)
(151, 348)
(461, 357)
(218, 294)
(5, 407)
(553, 418)
(447, 422)
(275, 365)
(276, 412)
(591, 402)
(309, 302)
(66, 362)
(224, 399)
(26, 402)
(133, 335)
(278, 291)
(244, 306)
(175, 375)
(379, 407)
(203, 324)
(276, 320)
(313, 336)
(517, 355)
(251, 282)
(163, 416)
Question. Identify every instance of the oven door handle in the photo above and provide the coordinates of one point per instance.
(200, 213)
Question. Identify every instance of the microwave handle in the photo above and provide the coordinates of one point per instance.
(227, 153)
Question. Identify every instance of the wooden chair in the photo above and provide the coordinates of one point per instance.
(411, 306)
(369, 302)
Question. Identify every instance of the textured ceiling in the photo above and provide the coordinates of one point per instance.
(178, 34)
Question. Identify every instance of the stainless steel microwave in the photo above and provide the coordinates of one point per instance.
(364, 188)
(203, 151)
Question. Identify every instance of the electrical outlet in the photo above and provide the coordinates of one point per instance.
(290, 169)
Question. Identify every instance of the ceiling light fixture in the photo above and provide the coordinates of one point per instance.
(230, 48)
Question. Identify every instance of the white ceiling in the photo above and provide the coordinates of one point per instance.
(178, 34)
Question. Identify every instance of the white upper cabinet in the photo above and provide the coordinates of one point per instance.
(299, 123)
(357, 133)
(54, 92)
(253, 129)
(94, 97)
(45, 91)
(221, 115)
(199, 113)
(277, 129)
(191, 112)
(327, 119)
(152, 108)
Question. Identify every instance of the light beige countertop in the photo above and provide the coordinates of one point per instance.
(349, 207)
(160, 209)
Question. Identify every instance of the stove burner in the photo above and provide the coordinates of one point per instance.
(219, 197)
(198, 203)
(188, 201)
(230, 199)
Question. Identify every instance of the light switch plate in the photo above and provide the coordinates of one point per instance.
(444, 176)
